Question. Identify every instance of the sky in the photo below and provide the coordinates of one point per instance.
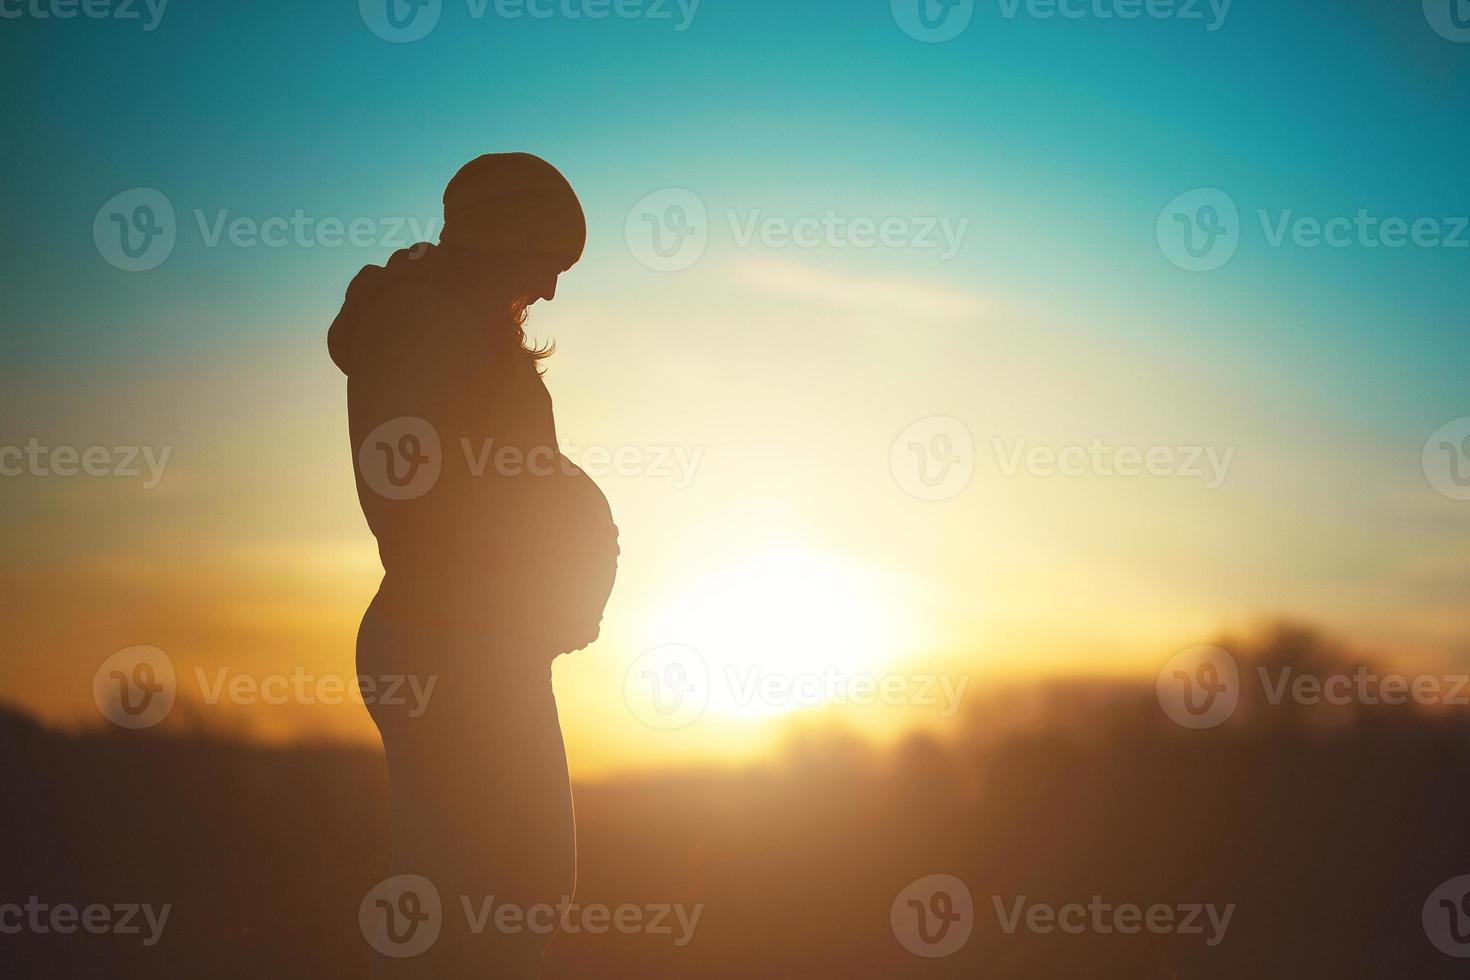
(918, 270)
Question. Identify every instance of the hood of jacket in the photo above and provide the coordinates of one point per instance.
(417, 261)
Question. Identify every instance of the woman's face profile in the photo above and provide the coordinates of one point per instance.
(522, 276)
(541, 285)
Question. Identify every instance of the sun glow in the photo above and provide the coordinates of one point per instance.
(787, 621)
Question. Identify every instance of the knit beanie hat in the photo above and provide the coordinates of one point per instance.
(514, 202)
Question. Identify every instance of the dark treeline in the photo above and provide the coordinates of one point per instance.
(1327, 829)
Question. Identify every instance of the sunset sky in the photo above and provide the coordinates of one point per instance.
(787, 371)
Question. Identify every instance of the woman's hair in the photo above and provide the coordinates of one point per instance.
(505, 324)
(519, 313)
(514, 216)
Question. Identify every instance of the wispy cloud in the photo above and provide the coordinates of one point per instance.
(897, 296)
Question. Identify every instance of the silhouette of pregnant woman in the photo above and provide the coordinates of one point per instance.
(498, 553)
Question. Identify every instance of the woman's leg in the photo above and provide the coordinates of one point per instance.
(481, 807)
(538, 874)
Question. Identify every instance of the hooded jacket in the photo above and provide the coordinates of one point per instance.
(482, 524)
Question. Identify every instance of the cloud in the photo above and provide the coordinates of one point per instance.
(912, 299)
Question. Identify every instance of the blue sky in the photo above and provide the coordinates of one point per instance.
(1059, 140)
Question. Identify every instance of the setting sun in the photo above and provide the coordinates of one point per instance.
(787, 615)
